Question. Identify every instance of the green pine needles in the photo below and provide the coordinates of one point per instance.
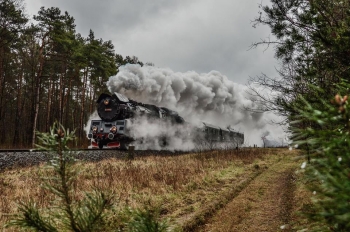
(146, 220)
(328, 138)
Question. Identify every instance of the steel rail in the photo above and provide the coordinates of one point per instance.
(36, 150)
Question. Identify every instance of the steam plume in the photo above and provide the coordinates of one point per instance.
(208, 97)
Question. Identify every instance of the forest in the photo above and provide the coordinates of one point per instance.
(48, 73)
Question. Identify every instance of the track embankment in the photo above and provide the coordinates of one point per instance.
(24, 158)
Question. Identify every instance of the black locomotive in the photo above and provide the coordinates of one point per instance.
(117, 113)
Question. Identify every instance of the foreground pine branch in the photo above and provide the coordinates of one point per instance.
(329, 170)
(65, 213)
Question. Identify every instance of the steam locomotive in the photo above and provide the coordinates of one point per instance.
(117, 114)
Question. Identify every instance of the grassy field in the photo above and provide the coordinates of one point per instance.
(226, 190)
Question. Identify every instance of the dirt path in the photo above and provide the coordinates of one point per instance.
(266, 204)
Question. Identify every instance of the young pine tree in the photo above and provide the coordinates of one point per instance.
(65, 213)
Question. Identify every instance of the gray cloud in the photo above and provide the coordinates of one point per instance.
(200, 35)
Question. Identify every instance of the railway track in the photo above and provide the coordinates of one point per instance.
(34, 150)
(10, 158)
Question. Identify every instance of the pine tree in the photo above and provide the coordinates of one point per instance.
(311, 41)
(329, 170)
(66, 214)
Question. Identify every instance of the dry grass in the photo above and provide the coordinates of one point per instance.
(265, 205)
(276, 200)
(179, 186)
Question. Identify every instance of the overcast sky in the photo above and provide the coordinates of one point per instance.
(197, 35)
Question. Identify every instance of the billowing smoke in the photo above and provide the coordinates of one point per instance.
(151, 134)
(208, 97)
(271, 141)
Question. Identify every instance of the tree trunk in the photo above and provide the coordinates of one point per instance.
(67, 103)
(17, 125)
(49, 103)
(92, 95)
(37, 90)
(60, 92)
(1, 77)
(81, 130)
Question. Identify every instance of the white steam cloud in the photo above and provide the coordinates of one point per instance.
(208, 97)
(150, 135)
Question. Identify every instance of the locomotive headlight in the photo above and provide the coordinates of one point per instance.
(94, 129)
(113, 129)
(106, 101)
(101, 129)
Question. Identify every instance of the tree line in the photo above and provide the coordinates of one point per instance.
(49, 72)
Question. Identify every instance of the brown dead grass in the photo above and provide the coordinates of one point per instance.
(187, 189)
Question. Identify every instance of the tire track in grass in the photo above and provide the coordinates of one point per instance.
(264, 204)
(200, 217)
